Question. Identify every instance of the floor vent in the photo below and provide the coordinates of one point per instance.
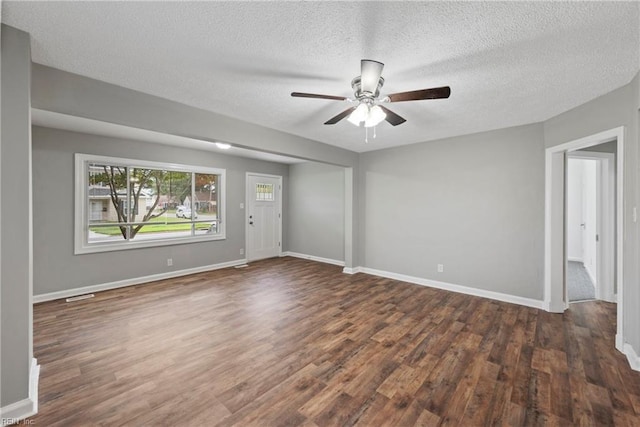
(80, 297)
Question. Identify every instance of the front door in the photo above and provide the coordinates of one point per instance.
(264, 217)
(96, 210)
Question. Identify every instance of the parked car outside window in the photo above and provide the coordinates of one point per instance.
(185, 212)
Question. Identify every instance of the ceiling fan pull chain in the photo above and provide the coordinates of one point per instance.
(374, 132)
(366, 135)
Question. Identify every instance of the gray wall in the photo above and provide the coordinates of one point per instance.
(607, 147)
(613, 109)
(316, 210)
(473, 203)
(56, 268)
(15, 249)
(67, 93)
(63, 92)
(1, 119)
(617, 108)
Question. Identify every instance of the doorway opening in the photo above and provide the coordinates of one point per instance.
(556, 244)
(590, 223)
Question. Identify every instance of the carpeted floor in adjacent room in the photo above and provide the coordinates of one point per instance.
(579, 283)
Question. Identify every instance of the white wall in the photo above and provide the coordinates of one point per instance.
(316, 210)
(582, 209)
(575, 172)
(589, 212)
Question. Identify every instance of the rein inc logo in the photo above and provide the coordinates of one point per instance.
(16, 421)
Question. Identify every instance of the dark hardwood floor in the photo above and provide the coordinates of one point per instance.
(290, 342)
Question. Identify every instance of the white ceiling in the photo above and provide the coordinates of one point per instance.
(507, 63)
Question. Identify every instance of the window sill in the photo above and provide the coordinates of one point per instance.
(89, 248)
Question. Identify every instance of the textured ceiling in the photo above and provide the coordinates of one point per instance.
(507, 63)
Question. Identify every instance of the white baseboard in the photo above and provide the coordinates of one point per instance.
(134, 281)
(632, 357)
(314, 258)
(34, 380)
(556, 307)
(627, 350)
(15, 412)
(352, 270)
(450, 287)
(576, 259)
(591, 276)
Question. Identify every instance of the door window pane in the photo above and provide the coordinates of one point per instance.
(264, 192)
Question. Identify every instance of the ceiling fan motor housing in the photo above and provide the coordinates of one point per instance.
(359, 94)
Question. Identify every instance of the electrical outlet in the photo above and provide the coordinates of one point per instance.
(169, 262)
(241, 251)
(440, 268)
(241, 205)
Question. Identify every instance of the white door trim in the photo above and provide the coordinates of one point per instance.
(246, 210)
(555, 181)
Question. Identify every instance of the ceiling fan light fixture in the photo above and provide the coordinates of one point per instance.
(366, 91)
(376, 116)
(360, 114)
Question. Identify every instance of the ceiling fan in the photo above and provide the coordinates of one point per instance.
(366, 88)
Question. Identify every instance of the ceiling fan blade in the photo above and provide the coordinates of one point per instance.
(336, 119)
(417, 95)
(392, 117)
(318, 96)
(370, 72)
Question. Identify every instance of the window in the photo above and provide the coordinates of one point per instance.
(124, 204)
(264, 192)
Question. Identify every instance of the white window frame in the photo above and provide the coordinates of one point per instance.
(82, 208)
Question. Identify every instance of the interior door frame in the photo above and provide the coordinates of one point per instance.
(554, 239)
(605, 222)
(247, 194)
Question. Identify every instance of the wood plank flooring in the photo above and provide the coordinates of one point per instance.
(289, 342)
